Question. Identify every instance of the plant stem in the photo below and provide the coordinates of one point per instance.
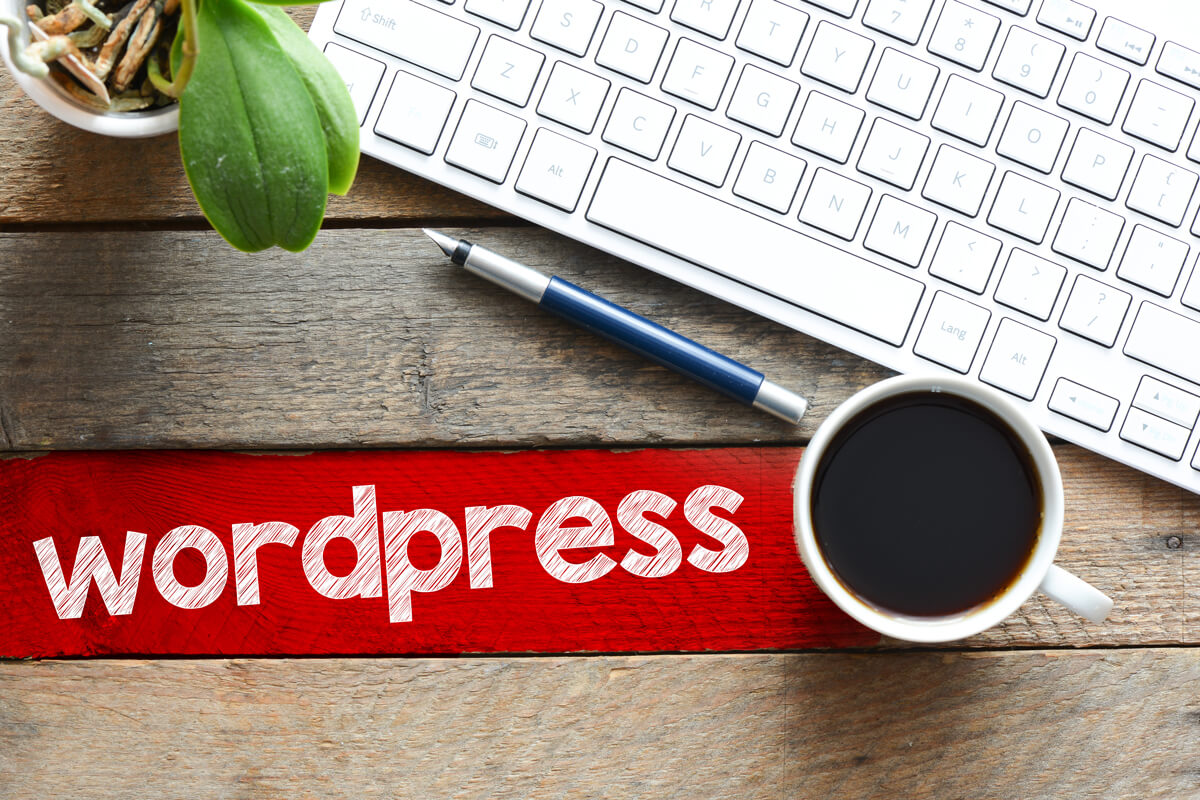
(16, 48)
(179, 81)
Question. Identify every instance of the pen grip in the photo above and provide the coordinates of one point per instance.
(651, 340)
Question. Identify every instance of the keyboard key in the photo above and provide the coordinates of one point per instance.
(762, 100)
(901, 19)
(711, 17)
(697, 73)
(1028, 61)
(1030, 284)
(1016, 6)
(507, 70)
(843, 7)
(1166, 340)
(1032, 137)
(573, 97)
(828, 127)
(1095, 311)
(964, 35)
(638, 124)
(1067, 16)
(1093, 88)
(1124, 40)
(1158, 115)
(509, 13)
(360, 74)
(1152, 261)
(893, 153)
(696, 227)
(967, 110)
(411, 32)
(415, 112)
(631, 47)
(1191, 295)
(1178, 62)
(653, 6)
(1023, 207)
(704, 150)
(1167, 401)
(772, 30)
(1155, 434)
(567, 24)
(900, 231)
(485, 141)
(1097, 164)
(769, 177)
(1088, 234)
(958, 180)
(837, 57)
(902, 83)
(965, 257)
(952, 332)
(835, 204)
(1018, 359)
(1083, 404)
(1162, 190)
(555, 169)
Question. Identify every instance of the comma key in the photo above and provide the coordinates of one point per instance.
(965, 257)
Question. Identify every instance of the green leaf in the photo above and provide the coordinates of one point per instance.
(339, 120)
(249, 134)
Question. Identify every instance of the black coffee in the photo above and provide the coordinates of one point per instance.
(926, 504)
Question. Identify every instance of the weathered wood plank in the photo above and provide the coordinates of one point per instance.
(54, 173)
(997, 725)
(370, 338)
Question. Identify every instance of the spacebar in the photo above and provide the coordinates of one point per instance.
(755, 251)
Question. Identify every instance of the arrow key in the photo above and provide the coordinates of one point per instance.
(1083, 404)
(1155, 434)
(1167, 401)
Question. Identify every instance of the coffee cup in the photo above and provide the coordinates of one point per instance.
(978, 495)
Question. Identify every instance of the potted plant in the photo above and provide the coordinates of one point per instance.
(267, 128)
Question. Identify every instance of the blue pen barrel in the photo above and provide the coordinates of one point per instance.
(651, 340)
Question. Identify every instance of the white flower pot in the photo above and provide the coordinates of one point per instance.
(44, 92)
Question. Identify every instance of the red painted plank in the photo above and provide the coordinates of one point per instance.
(708, 572)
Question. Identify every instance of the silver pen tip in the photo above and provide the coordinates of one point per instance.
(443, 241)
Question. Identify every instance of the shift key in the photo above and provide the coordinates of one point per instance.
(1166, 340)
(410, 31)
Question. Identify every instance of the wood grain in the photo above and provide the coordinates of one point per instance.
(55, 174)
(925, 725)
(168, 339)
(370, 338)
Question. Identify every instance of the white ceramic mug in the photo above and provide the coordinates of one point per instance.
(44, 92)
(1039, 571)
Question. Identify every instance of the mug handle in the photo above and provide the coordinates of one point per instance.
(1076, 594)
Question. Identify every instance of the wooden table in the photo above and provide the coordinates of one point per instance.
(126, 323)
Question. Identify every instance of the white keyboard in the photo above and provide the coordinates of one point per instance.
(1003, 188)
